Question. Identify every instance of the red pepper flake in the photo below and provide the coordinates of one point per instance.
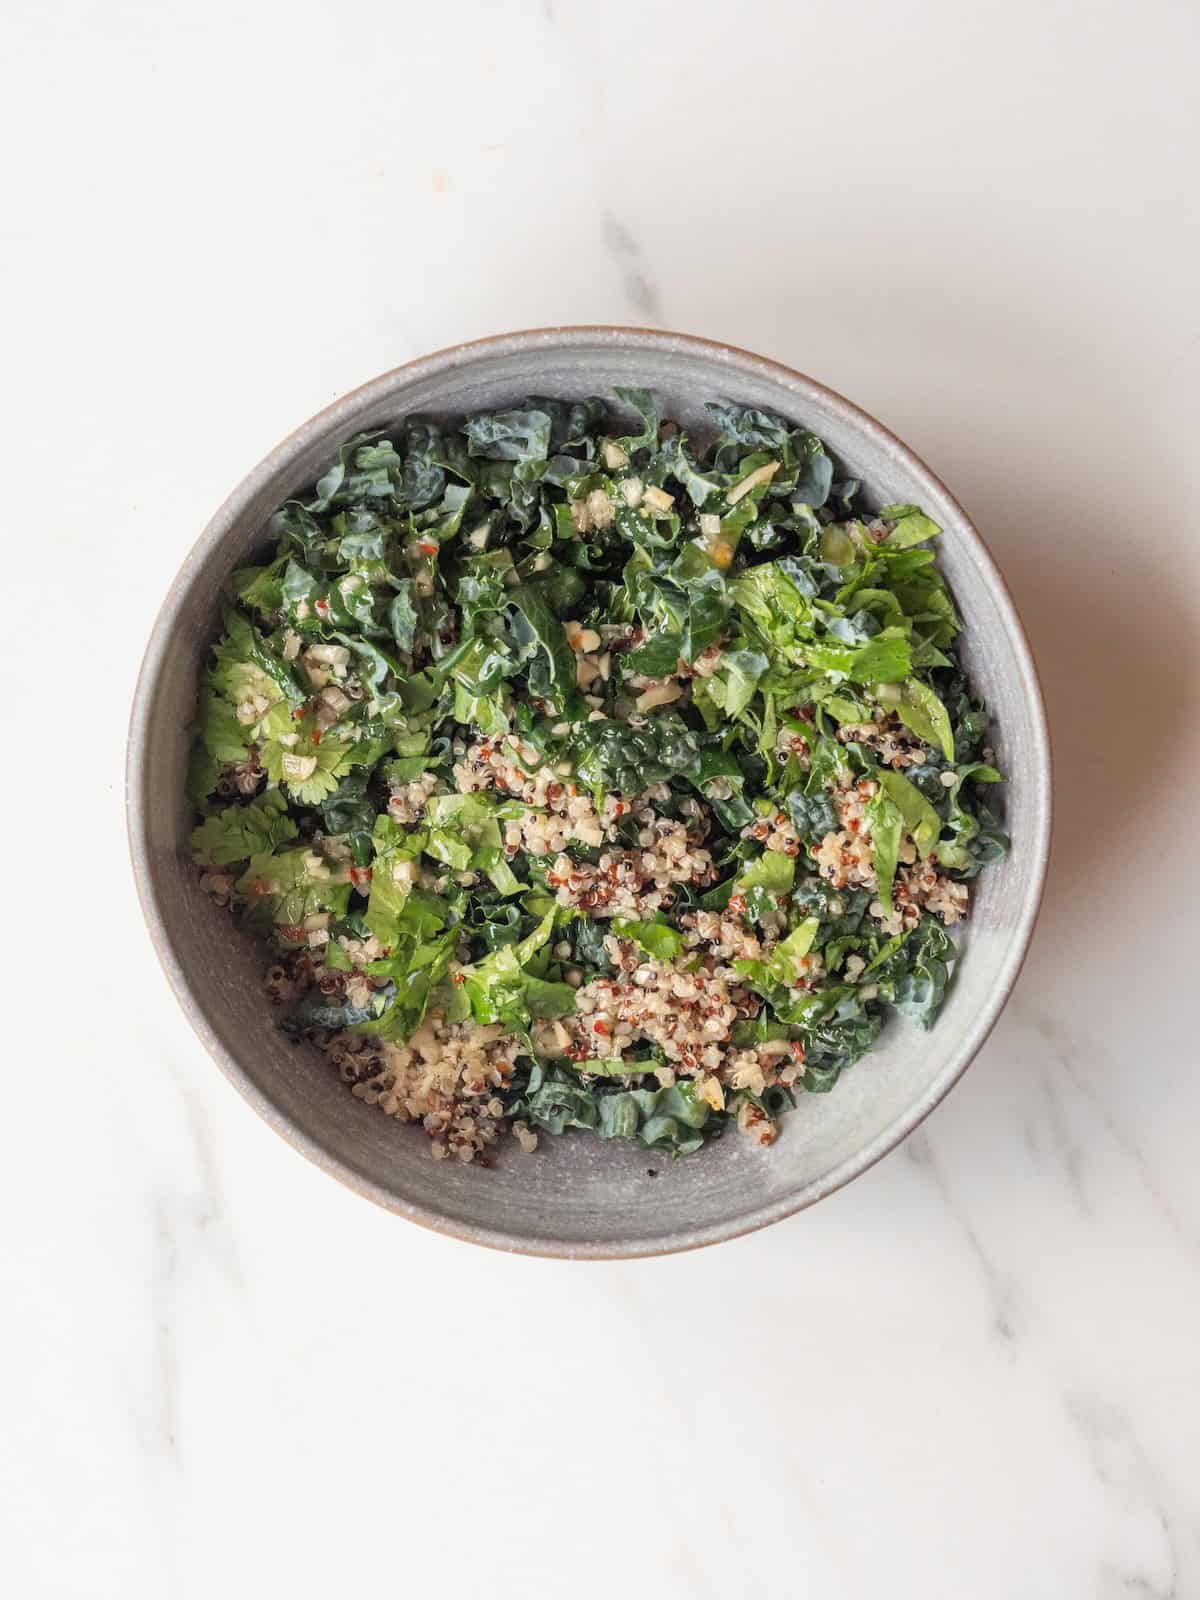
(360, 876)
(797, 1050)
(458, 978)
(322, 605)
(427, 547)
(600, 1026)
(316, 736)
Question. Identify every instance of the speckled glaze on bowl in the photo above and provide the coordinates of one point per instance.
(578, 1197)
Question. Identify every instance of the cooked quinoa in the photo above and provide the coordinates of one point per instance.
(581, 775)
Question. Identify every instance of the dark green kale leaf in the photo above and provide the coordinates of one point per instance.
(675, 1119)
(912, 978)
(296, 531)
(423, 480)
(574, 424)
(245, 642)
(968, 715)
(402, 615)
(839, 1033)
(541, 645)
(521, 435)
(563, 588)
(743, 425)
(816, 473)
(614, 756)
(972, 837)
(315, 1010)
(367, 468)
(646, 406)
(813, 815)
(350, 810)
(587, 946)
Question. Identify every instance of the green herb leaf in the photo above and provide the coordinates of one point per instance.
(657, 938)
(922, 711)
(919, 818)
(887, 828)
(240, 832)
(772, 871)
(912, 526)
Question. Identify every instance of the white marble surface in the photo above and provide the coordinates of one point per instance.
(974, 1372)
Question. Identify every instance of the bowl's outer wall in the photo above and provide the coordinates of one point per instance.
(578, 1196)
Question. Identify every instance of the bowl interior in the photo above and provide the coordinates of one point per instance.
(577, 1196)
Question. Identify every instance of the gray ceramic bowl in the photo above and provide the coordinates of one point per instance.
(576, 1196)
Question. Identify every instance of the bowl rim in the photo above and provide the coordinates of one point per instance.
(137, 802)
